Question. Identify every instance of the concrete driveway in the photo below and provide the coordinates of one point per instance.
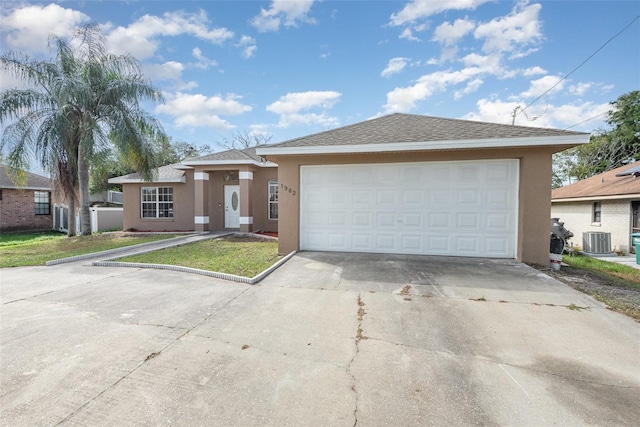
(327, 339)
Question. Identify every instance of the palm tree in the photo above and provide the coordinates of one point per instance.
(83, 102)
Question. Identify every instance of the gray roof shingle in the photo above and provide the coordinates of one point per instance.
(607, 184)
(233, 154)
(415, 128)
(164, 173)
(34, 181)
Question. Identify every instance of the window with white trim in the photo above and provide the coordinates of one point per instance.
(597, 212)
(157, 202)
(42, 201)
(273, 199)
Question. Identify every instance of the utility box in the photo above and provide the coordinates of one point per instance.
(595, 242)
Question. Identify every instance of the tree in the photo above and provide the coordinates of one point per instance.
(85, 101)
(246, 139)
(607, 149)
(113, 164)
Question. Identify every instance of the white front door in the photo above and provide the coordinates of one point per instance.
(231, 206)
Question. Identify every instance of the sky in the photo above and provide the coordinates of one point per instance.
(286, 69)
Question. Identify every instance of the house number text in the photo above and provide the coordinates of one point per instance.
(288, 189)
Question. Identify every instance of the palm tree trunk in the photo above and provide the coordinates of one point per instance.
(83, 182)
(71, 218)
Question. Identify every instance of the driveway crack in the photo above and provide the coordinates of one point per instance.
(152, 356)
(359, 337)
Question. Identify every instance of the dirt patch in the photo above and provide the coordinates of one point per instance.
(617, 294)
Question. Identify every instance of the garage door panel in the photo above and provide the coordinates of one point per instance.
(439, 220)
(467, 221)
(411, 243)
(386, 198)
(362, 219)
(468, 197)
(498, 222)
(385, 242)
(466, 208)
(499, 198)
(438, 245)
(361, 242)
(467, 245)
(337, 219)
(412, 220)
(385, 220)
(440, 196)
(496, 246)
(412, 197)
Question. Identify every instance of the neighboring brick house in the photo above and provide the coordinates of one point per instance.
(604, 203)
(27, 207)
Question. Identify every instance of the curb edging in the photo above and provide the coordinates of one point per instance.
(215, 274)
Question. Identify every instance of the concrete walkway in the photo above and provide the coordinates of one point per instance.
(141, 248)
(628, 260)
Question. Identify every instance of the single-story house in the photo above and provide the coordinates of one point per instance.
(401, 183)
(230, 190)
(413, 184)
(25, 207)
(605, 203)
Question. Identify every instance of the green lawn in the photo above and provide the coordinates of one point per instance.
(36, 248)
(238, 255)
(594, 265)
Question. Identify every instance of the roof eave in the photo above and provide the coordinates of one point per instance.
(28, 188)
(596, 198)
(142, 181)
(229, 162)
(565, 140)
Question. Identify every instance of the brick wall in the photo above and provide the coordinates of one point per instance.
(17, 212)
(615, 219)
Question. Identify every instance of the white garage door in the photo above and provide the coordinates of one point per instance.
(466, 208)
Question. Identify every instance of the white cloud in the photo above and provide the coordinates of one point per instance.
(521, 27)
(140, 39)
(202, 111)
(170, 70)
(471, 87)
(248, 46)
(203, 63)
(408, 34)
(404, 99)
(580, 88)
(28, 28)
(549, 116)
(291, 106)
(541, 85)
(283, 12)
(420, 9)
(532, 71)
(394, 66)
(448, 34)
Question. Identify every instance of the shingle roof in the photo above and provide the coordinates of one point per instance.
(164, 173)
(34, 181)
(233, 154)
(415, 128)
(602, 185)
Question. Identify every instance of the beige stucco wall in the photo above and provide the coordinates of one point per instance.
(533, 211)
(206, 198)
(183, 207)
(254, 205)
(615, 219)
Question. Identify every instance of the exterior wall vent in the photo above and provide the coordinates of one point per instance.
(595, 242)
